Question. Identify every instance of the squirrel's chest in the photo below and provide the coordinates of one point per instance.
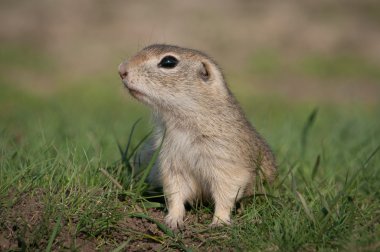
(181, 147)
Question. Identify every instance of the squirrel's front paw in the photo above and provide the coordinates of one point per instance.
(174, 222)
(218, 222)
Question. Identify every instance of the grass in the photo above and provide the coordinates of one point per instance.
(65, 183)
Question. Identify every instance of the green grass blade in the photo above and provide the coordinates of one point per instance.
(371, 156)
(316, 167)
(292, 167)
(147, 170)
(294, 183)
(125, 152)
(133, 152)
(306, 129)
(54, 234)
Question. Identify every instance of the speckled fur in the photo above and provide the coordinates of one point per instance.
(210, 150)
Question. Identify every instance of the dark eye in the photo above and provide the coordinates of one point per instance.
(168, 62)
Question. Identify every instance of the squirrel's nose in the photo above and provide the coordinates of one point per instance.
(122, 70)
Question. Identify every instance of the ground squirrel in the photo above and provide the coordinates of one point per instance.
(210, 150)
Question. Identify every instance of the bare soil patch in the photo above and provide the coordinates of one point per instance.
(27, 225)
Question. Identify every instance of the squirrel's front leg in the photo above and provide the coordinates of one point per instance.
(177, 190)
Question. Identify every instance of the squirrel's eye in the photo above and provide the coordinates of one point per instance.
(168, 62)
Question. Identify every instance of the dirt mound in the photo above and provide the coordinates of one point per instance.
(29, 224)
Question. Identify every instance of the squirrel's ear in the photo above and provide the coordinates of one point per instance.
(204, 71)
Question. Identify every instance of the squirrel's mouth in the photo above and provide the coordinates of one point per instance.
(135, 93)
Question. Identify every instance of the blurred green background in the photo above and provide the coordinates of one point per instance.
(319, 51)
(58, 60)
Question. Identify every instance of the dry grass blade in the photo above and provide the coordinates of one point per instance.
(164, 229)
(161, 226)
(113, 180)
(122, 246)
(305, 207)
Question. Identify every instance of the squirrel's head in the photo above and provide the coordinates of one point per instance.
(173, 78)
